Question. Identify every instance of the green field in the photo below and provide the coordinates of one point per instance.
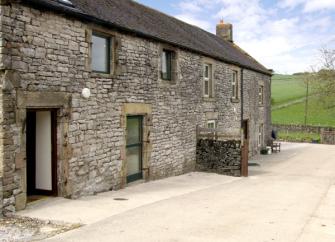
(288, 93)
(286, 88)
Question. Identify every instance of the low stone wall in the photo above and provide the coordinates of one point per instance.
(301, 128)
(328, 137)
(327, 134)
(222, 157)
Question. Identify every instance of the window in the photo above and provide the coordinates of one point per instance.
(166, 69)
(101, 53)
(211, 124)
(235, 84)
(208, 83)
(260, 95)
(260, 134)
(67, 2)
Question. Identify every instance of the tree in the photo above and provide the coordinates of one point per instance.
(323, 81)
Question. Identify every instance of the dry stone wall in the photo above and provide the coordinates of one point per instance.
(328, 137)
(44, 62)
(301, 128)
(222, 157)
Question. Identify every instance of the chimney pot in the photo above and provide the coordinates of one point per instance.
(225, 31)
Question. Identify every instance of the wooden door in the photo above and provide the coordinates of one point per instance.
(245, 149)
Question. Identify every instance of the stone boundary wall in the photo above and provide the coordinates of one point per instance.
(222, 157)
(301, 128)
(327, 134)
(328, 137)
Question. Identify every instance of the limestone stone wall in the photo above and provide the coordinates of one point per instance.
(255, 113)
(222, 157)
(328, 137)
(45, 63)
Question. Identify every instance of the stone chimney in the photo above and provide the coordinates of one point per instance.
(225, 31)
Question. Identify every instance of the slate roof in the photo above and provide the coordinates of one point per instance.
(146, 22)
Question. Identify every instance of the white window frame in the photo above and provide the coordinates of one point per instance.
(261, 95)
(235, 85)
(260, 134)
(208, 81)
(209, 122)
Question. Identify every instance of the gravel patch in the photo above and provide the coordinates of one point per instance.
(22, 229)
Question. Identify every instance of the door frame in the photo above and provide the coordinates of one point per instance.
(245, 148)
(31, 179)
(138, 176)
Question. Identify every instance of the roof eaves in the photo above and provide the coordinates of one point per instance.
(56, 6)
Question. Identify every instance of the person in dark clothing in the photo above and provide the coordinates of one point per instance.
(274, 134)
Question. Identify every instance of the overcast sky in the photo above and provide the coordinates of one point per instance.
(283, 35)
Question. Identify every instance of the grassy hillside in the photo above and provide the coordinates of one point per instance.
(295, 114)
(286, 88)
(288, 93)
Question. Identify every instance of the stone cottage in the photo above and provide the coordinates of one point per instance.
(97, 94)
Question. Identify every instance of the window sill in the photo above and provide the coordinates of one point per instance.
(235, 100)
(165, 82)
(101, 75)
(208, 99)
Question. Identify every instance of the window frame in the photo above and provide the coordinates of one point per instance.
(109, 54)
(169, 65)
(208, 81)
(211, 122)
(235, 85)
(261, 95)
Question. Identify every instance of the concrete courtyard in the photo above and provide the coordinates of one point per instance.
(290, 196)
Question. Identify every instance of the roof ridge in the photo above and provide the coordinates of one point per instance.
(234, 45)
(132, 16)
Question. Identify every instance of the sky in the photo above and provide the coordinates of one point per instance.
(283, 35)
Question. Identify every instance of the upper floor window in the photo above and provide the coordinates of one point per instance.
(167, 65)
(260, 95)
(101, 53)
(208, 80)
(235, 84)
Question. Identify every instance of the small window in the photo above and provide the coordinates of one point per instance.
(235, 84)
(166, 69)
(208, 81)
(260, 134)
(67, 2)
(101, 53)
(260, 95)
(211, 124)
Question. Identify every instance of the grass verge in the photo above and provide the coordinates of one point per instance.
(299, 137)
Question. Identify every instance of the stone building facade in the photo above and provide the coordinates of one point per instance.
(45, 63)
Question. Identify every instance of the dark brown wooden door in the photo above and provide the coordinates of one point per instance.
(245, 149)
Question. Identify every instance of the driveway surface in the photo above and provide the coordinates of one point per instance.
(290, 196)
